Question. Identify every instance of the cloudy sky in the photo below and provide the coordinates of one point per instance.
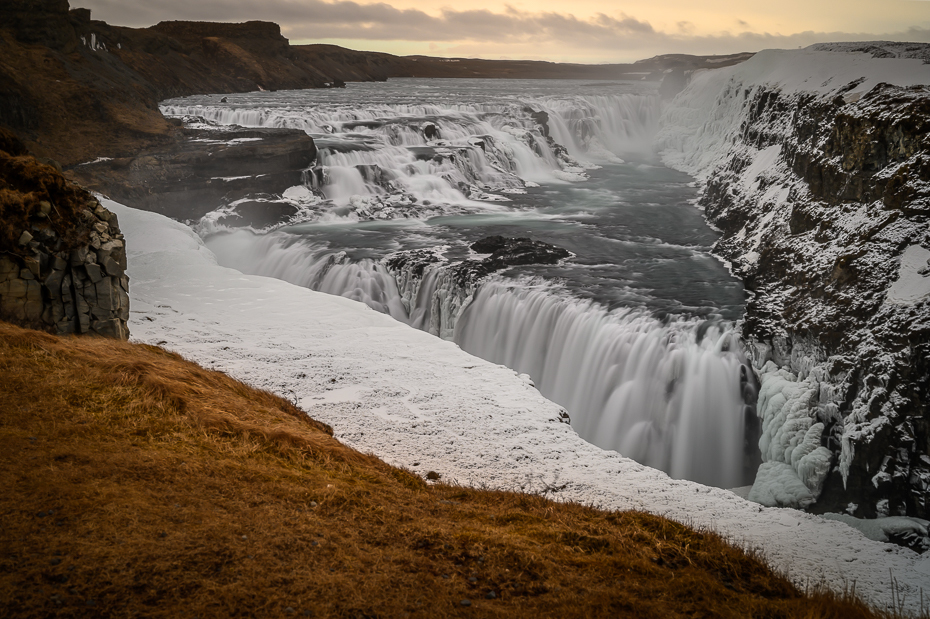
(579, 31)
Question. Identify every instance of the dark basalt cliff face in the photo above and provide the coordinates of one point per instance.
(62, 255)
(855, 173)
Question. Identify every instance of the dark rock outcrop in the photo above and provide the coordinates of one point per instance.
(504, 252)
(206, 170)
(62, 255)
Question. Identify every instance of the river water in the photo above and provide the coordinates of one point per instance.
(632, 335)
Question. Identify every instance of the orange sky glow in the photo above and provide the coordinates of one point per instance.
(590, 31)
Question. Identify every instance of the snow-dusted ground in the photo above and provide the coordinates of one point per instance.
(422, 403)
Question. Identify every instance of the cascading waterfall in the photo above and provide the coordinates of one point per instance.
(284, 257)
(601, 126)
(669, 394)
(385, 155)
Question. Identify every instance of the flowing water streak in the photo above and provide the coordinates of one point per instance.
(668, 396)
(284, 257)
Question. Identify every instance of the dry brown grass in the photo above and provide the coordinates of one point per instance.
(24, 183)
(135, 483)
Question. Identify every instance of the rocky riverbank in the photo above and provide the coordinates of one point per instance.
(205, 169)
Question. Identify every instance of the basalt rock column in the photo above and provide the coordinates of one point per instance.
(62, 255)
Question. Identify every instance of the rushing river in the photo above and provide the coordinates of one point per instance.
(632, 334)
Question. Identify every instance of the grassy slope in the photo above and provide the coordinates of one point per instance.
(138, 484)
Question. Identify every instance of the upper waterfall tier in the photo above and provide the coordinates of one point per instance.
(406, 158)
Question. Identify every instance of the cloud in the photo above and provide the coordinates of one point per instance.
(480, 32)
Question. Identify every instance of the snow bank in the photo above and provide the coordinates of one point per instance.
(913, 283)
(700, 127)
(422, 403)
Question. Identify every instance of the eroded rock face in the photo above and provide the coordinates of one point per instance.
(825, 209)
(62, 255)
(85, 290)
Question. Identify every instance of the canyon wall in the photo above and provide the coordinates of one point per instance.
(816, 168)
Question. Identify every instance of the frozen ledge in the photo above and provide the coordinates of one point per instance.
(913, 283)
(420, 402)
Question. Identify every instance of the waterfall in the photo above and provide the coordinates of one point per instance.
(381, 157)
(672, 395)
(285, 257)
(602, 126)
(667, 395)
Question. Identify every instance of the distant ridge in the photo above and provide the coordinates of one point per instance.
(74, 88)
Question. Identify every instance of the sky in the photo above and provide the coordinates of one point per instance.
(588, 31)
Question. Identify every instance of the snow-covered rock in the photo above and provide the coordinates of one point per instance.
(816, 167)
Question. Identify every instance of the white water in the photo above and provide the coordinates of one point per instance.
(667, 394)
(312, 267)
(656, 393)
(386, 154)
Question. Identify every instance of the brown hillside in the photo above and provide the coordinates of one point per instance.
(139, 484)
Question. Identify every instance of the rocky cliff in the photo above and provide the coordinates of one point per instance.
(62, 255)
(817, 169)
(75, 89)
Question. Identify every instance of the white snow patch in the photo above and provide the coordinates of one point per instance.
(409, 397)
(764, 160)
(913, 283)
(299, 193)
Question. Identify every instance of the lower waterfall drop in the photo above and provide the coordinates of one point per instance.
(667, 395)
(402, 189)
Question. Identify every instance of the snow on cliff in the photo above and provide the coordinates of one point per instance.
(816, 168)
(422, 403)
(701, 128)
